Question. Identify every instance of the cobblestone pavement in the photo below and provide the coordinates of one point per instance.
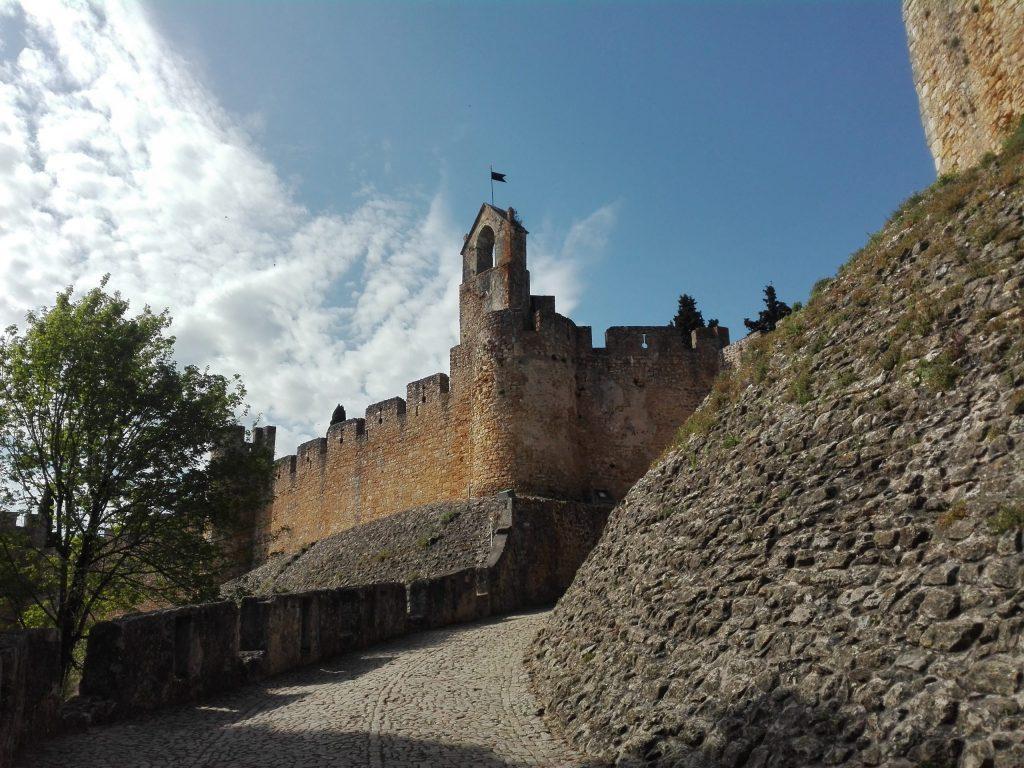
(443, 699)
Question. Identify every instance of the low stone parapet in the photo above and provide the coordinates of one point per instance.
(29, 688)
(142, 662)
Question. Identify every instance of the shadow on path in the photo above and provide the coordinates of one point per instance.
(329, 714)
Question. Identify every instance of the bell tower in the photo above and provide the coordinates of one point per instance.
(494, 274)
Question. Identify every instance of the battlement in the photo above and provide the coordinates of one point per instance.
(382, 417)
(638, 339)
(264, 438)
(626, 340)
(427, 390)
(542, 305)
(32, 526)
(386, 413)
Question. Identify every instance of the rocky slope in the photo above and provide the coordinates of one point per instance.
(827, 568)
(430, 540)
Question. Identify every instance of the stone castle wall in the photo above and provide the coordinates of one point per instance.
(968, 61)
(401, 454)
(531, 406)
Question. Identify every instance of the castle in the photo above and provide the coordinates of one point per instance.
(968, 62)
(929, 667)
(531, 406)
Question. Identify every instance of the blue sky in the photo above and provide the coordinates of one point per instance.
(739, 142)
(292, 180)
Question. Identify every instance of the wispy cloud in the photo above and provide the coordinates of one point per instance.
(115, 159)
(559, 268)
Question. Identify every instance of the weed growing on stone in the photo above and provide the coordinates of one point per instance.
(938, 374)
(979, 269)
(801, 387)
(818, 343)
(819, 287)
(448, 515)
(905, 208)
(989, 234)
(1014, 143)
(956, 512)
(724, 392)
(1007, 517)
(791, 330)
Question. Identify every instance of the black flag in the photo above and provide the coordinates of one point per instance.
(495, 176)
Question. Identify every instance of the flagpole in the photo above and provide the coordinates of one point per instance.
(492, 184)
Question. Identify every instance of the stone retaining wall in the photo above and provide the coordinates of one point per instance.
(547, 540)
(830, 571)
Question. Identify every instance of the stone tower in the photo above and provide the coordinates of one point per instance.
(968, 61)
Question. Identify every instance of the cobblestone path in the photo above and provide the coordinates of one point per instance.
(449, 698)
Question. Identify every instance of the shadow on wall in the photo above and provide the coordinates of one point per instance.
(779, 728)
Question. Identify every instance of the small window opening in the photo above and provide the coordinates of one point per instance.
(643, 342)
(380, 416)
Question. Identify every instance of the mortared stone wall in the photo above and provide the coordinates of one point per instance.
(968, 61)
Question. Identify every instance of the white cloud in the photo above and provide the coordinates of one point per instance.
(559, 271)
(114, 158)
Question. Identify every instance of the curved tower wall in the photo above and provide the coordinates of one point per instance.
(968, 62)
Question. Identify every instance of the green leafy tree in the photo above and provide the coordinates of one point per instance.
(769, 317)
(688, 317)
(118, 458)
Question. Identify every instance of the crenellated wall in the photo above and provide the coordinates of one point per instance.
(531, 406)
(402, 453)
(33, 527)
(968, 60)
